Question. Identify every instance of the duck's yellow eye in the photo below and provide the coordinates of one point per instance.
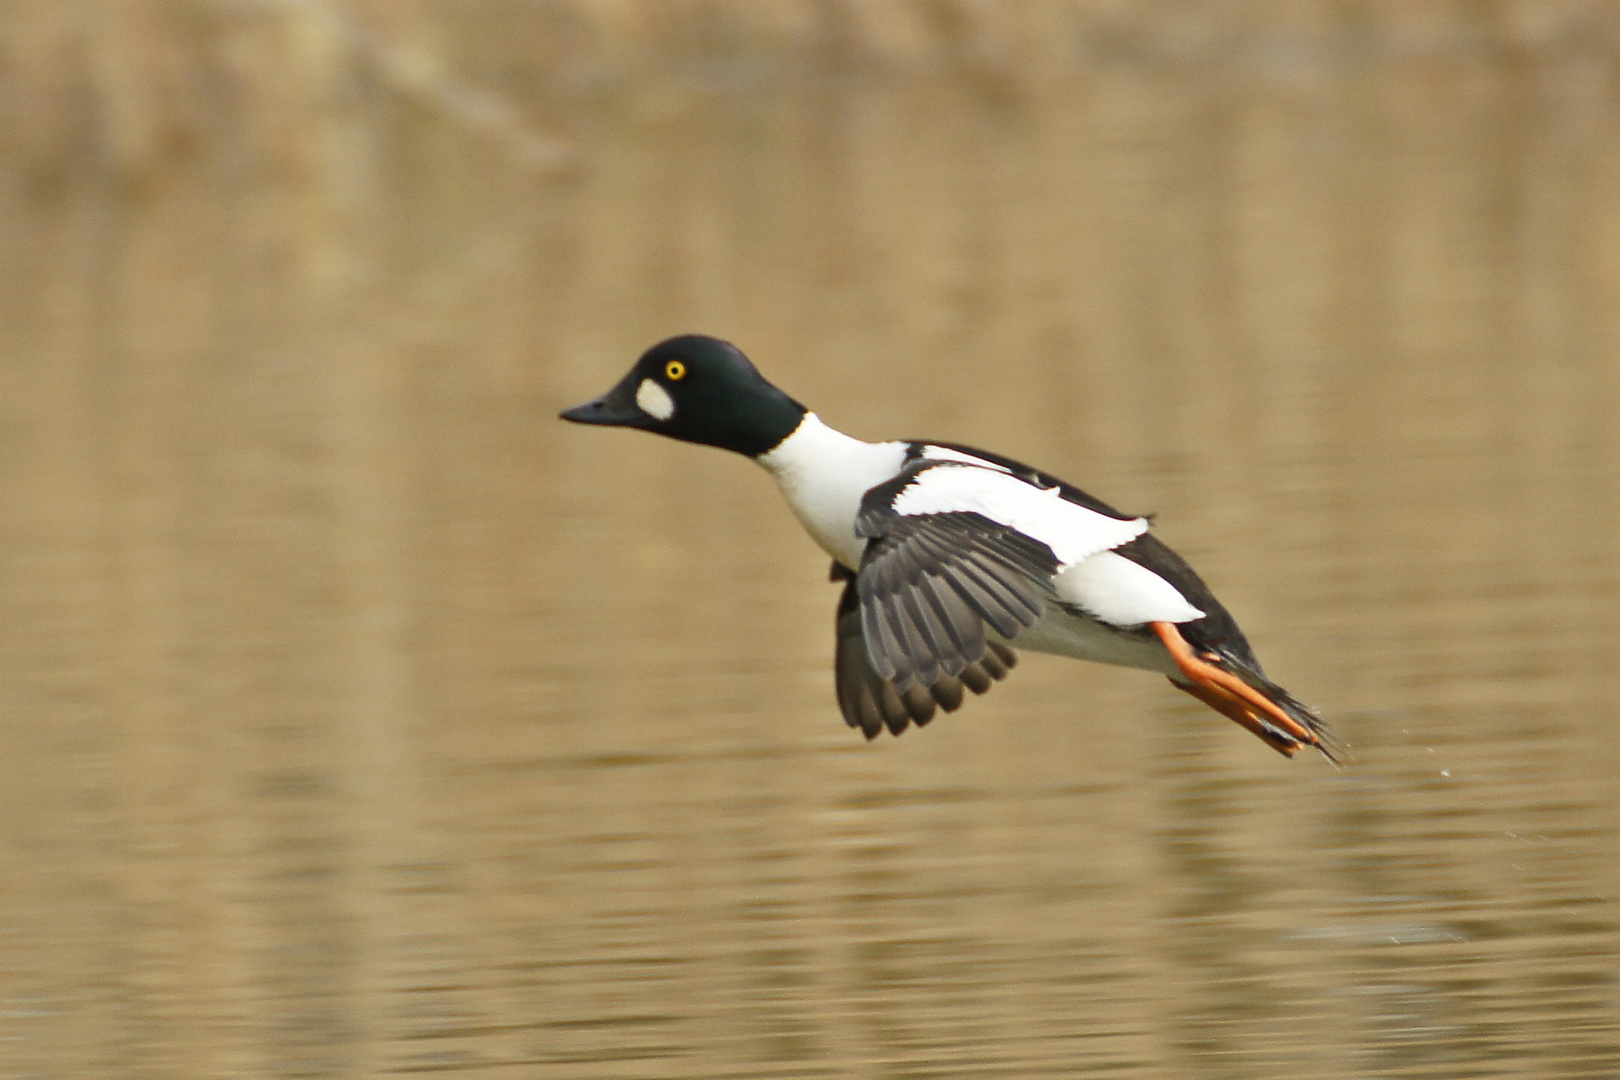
(675, 370)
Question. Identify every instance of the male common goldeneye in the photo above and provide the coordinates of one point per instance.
(950, 555)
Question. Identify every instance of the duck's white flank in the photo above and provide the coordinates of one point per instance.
(823, 473)
(1116, 590)
(1072, 532)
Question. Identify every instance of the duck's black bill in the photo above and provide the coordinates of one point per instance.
(616, 408)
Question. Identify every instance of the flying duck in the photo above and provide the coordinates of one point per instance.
(950, 556)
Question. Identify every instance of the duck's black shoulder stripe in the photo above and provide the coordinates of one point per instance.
(1070, 493)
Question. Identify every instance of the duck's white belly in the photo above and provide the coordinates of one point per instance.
(1119, 593)
(1062, 633)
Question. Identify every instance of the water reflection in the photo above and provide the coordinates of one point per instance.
(359, 718)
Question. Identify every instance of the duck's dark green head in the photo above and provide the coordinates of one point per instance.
(697, 389)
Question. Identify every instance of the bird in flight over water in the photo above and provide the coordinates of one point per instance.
(950, 556)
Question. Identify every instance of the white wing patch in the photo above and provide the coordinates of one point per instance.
(1072, 532)
(1116, 590)
(654, 400)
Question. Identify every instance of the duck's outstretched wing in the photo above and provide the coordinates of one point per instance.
(928, 588)
(953, 549)
(871, 702)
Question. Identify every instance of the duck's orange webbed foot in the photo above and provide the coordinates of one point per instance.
(1230, 696)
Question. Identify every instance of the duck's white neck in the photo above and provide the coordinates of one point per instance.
(823, 473)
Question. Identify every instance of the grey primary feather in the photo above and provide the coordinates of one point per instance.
(930, 584)
(871, 702)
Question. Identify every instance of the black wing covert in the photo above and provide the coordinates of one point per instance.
(929, 584)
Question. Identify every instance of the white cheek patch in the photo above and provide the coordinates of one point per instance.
(654, 400)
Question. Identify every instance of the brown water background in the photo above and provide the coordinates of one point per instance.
(358, 718)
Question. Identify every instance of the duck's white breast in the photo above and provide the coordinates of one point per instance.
(823, 473)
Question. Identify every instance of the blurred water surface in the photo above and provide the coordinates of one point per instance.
(358, 718)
